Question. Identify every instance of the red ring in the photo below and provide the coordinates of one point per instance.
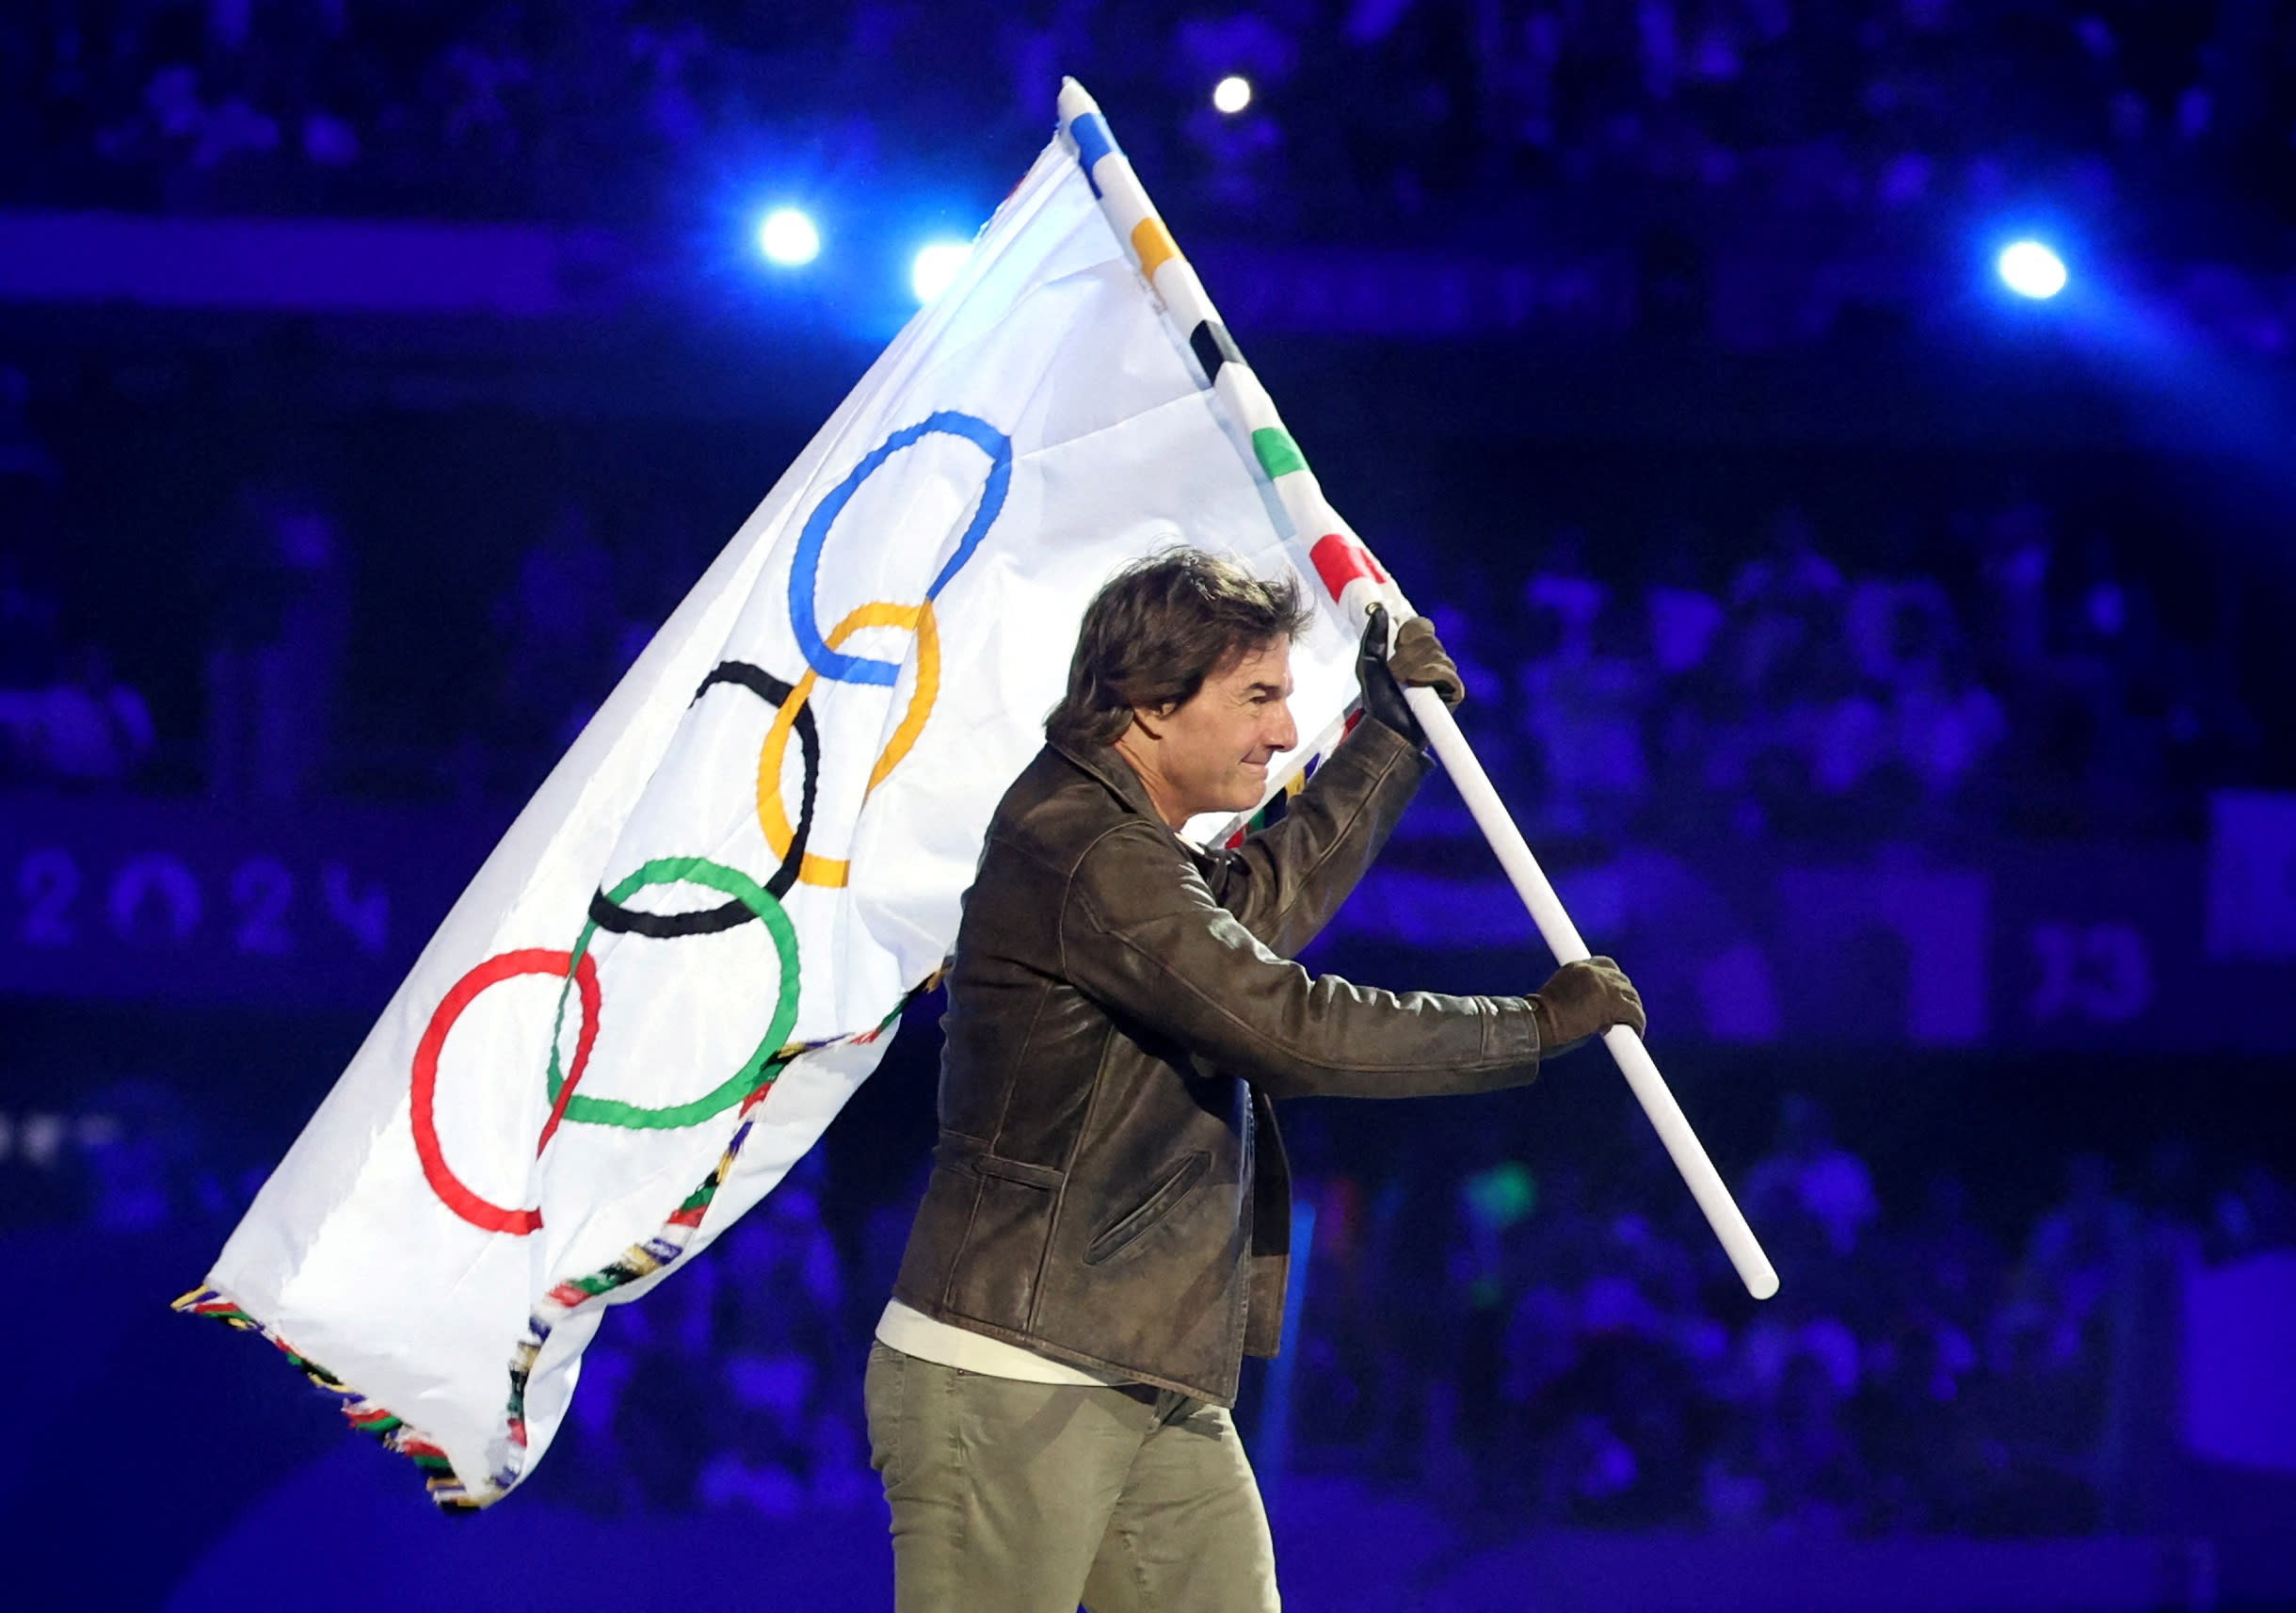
(452, 1192)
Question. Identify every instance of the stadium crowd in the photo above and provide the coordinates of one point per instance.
(1516, 1345)
(1560, 1349)
(513, 107)
(1997, 671)
(1514, 1338)
(1993, 679)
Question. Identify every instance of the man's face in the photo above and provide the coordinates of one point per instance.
(1215, 746)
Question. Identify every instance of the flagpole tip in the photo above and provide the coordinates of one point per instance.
(1074, 101)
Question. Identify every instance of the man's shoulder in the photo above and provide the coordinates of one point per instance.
(1060, 811)
(1054, 810)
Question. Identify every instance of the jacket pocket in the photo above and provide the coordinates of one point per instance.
(992, 1273)
(1017, 1171)
(1157, 1206)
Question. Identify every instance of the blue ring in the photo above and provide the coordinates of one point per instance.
(805, 566)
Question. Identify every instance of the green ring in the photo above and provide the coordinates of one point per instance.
(751, 1077)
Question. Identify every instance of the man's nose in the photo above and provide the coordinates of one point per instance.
(1284, 736)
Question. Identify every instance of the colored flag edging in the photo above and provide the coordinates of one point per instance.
(448, 1490)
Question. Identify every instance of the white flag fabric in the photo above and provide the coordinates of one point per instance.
(690, 947)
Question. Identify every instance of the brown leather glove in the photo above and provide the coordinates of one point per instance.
(1585, 999)
(1418, 661)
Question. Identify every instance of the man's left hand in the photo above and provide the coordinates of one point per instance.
(1418, 661)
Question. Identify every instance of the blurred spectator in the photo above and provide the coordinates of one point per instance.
(1685, 618)
(151, 1159)
(561, 636)
(2256, 1212)
(1811, 1180)
(788, 1431)
(672, 1399)
(85, 728)
(64, 717)
(279, 625)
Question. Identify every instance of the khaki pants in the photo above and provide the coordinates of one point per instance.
(1029, 1497)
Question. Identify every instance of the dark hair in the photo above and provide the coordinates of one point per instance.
(1157, 629)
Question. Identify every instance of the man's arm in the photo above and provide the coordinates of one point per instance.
(1142, 932)
(1284, 883)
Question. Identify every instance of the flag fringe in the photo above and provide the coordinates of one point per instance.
(447, 1489)
(364, 1415)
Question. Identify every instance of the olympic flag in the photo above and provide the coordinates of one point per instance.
(691, 945)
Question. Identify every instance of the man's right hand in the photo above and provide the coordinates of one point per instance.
(1417, 661)
(1585, 999)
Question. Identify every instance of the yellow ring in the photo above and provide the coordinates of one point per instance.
(771, 817)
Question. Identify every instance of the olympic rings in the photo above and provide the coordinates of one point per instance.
(779, 838)
(751, 1075)
(615, 919)
(746, 899)
(805, 565)
(582, 974)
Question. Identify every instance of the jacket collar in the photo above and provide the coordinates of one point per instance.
(1115, 774)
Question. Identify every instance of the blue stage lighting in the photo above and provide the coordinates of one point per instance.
(935, 266)
(2031, 270)
(1232, 94)
(788, 236)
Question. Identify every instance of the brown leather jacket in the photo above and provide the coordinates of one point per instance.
(1109, 1188)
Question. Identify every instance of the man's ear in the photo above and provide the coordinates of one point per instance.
(1147, 719)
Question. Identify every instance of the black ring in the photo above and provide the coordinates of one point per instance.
(617, 919)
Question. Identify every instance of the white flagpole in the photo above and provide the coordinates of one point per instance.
(1357, 582)
(1562, 936)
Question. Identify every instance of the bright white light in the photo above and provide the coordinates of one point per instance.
(935, 266)
(788, 236)
(1232, 94)
(2031, 270)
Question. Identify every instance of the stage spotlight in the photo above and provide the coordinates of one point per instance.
(788, 236)
(2031, 270)
(935, 266)
(1232, 94)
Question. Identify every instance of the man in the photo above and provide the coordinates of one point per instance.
(1104, 1232)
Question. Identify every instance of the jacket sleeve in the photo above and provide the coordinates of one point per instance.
(1284, 883)
(1141, 934)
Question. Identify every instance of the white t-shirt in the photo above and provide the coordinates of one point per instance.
(913, 1332)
